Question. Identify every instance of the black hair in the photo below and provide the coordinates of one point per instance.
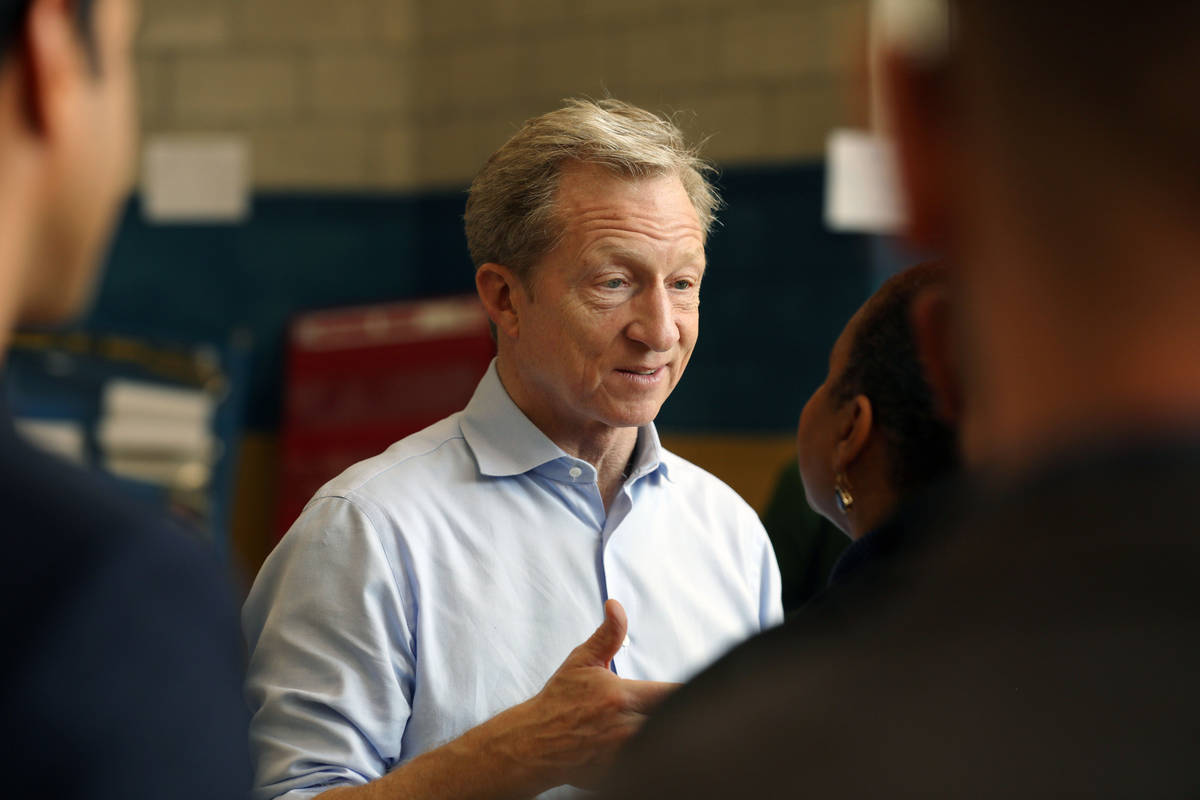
(12, 18)
(884, 366)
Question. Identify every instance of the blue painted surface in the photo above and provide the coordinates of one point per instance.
(778, 290)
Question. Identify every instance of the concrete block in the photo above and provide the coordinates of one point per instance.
(775, 44)
(310, 157)
(440, 20)
(799, 118)
(395, 157)
(544, 15)
(731, 120)
(622, 14)
(304, 21)
(571, 65)
(484, 75)
(847, 23)
(400, 22)
(669, 54)
(154, 75)
(435, 80)
(170, 25)
(451, 153)
(221, 88)
(366, 83)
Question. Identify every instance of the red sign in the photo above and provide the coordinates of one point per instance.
(359, 379)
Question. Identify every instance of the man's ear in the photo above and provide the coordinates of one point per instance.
(53, 66)
(855, 422)
(503, 295)
(933, 334)
(916, 109)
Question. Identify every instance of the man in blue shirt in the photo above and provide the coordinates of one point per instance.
(409, 633)
(122, 669)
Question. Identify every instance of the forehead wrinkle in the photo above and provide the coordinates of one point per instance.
(603, 228)
(612, 247)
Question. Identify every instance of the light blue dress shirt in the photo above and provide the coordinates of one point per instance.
(425, 590)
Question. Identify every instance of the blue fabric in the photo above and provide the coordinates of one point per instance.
(122, 670)
(427, 589)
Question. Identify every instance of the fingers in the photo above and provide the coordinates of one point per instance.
(602, 645)
(644, 696)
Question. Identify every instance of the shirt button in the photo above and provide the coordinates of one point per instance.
(574, 472)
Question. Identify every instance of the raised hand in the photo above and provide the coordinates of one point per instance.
(572, 729)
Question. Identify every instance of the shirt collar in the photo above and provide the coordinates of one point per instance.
(648, 454)
(505, 442)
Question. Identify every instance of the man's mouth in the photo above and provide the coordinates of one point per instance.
(643, 371)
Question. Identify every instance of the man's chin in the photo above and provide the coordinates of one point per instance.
(633, 415)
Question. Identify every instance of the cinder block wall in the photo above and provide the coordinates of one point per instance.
(381, 95)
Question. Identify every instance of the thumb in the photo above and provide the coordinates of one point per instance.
(604, 643)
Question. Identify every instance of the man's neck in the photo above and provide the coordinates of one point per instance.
(606, 448)
(14, 253)
(19, 200)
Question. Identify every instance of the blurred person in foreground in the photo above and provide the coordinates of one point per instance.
(408, 635)
(122, 666)
(1040, 640)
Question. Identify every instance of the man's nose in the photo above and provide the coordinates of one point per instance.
(654, 322)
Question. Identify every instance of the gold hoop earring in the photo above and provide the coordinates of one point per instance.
(841, 493)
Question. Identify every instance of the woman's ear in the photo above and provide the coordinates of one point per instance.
(502, 295)
(855, 423)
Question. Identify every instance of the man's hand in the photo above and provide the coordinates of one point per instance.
(571, 730)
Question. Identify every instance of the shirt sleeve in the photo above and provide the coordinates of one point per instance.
(764, 570)
(330, 634)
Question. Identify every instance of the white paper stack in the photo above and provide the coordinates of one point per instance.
(157, 434)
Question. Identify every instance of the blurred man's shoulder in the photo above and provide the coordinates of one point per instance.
(118, 626)
(70, 533)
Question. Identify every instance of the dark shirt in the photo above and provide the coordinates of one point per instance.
(122, 668)
(1038, 639)
(806, 544)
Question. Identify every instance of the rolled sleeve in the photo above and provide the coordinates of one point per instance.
(329, 629)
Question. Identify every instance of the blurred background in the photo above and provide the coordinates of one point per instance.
(312, 155)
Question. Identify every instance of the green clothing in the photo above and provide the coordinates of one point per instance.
(806, 544)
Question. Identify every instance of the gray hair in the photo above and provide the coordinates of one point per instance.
(510, 217)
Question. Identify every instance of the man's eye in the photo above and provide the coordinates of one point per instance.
(613, 283)
(683, 284)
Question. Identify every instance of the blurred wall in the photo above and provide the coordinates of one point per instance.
(367, 119)
(413, 94)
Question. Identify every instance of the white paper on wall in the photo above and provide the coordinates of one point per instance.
(193, 178)
(861, 190)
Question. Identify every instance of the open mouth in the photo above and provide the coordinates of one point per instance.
(645, 373)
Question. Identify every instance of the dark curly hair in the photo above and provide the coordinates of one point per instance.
(884, 366)
(12, 17)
